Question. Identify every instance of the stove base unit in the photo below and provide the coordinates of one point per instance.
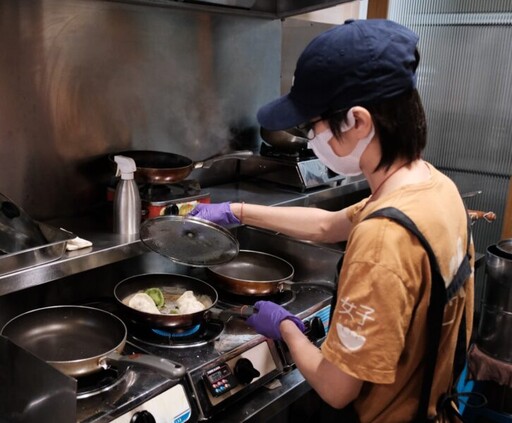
(234, 376)
(296, 173)
(169, 406)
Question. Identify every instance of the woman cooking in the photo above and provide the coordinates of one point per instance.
(354, 96)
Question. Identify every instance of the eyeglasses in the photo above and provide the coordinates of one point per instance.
(307, 127)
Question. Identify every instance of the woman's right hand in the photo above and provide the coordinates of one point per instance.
(267, 318)
(219, 213)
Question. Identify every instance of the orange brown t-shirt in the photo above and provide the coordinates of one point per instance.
(378, 332)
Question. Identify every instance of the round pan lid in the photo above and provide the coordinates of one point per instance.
(189, 240)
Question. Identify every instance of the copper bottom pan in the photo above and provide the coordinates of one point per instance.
(253, 273)
(178, 284)
(156, 167)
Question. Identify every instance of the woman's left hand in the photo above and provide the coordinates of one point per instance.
(219, 213)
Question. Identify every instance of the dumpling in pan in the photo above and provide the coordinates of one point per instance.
(143, 302)
(188, 303)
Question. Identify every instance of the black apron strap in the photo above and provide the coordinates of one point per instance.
(460, 278)
(334, 298)
(404, 220)
(435, 312)
(439, 296)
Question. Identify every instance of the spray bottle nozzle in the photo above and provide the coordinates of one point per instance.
(125, 167)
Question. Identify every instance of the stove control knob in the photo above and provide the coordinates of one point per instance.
(143, 416)
(317, 328)
(171, 210)
(245, 371)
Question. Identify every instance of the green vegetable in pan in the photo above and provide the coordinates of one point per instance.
(156, 295)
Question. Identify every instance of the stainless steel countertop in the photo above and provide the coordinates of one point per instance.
(267, 193)
(267, 402)
(110, 248)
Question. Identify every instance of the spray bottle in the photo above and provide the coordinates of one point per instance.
(127, 213)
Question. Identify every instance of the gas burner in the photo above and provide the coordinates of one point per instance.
(282, 298)
(167, 192)
(196, 336)
(154, 191)
(177, 334)
(96, 383)
(293, 156)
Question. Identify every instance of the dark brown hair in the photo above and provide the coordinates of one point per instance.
(400, 124)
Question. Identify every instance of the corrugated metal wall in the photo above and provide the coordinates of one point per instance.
(465, 82)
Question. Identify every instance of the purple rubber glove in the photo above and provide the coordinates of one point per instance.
(220, 213)
(268, 316)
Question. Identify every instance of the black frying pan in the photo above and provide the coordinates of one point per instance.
(157, 167)
(78, 340)
(288, 141)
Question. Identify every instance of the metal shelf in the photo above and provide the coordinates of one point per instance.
(110, 248)
(265, 9)
(107, 248)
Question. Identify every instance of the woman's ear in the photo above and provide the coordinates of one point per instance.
(363, 119)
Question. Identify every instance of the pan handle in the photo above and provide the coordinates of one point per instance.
(288, 285)
(169, 368)
(488, 216)
(206, 163)
(243, 312)
(471, 194)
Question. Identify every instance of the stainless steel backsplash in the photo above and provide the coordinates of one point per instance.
(82, 79)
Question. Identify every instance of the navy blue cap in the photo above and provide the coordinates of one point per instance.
(354, 64)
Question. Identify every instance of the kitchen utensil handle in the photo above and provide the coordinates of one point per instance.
(167, 367)
(10, 210)
(287, 285)
(69, 232)
(245, 311)
(205, 164)
(471, 194)
(242, 312)
(489, 216)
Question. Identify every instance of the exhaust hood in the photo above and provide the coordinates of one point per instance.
(269, 9)
(244, 4)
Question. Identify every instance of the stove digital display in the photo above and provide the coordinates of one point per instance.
(220, 380)
(216, 376)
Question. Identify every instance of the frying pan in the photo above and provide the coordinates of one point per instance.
(288, 140)
(171, 283)
(79, 340)
(176, 285)
(253, 273)
(157, 167)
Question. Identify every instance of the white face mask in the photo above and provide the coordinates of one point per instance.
(346, 165)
